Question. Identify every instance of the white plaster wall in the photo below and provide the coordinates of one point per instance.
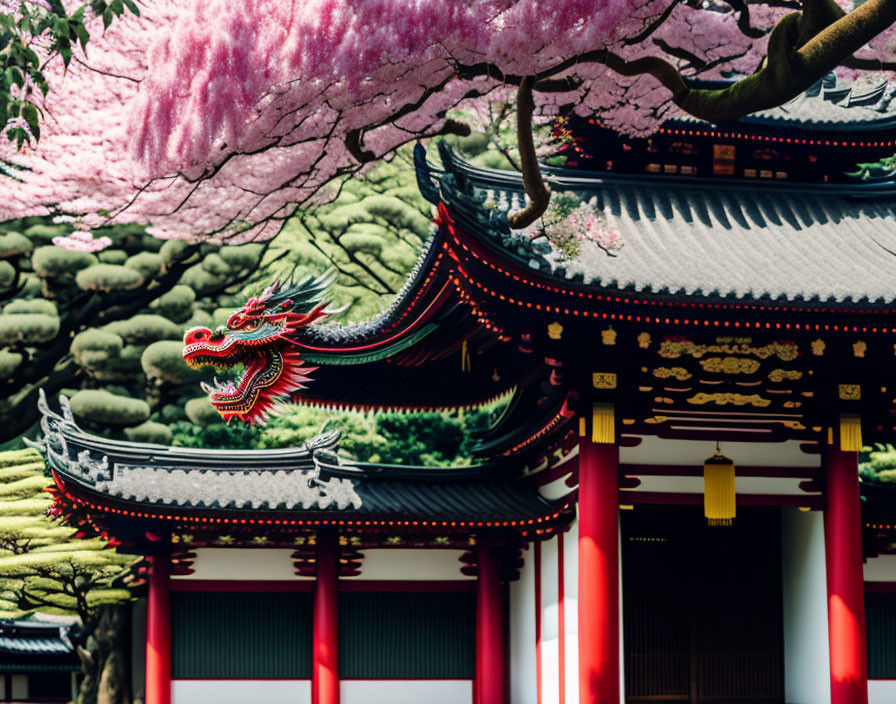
(405, 692)
(571, 610)
(240, 691)
(653, 450)
(523, 675)
(411, 565)
(881, 691)
(881, 569)
(788, 486)
(804, 590)
(243, 563)
(550, 619)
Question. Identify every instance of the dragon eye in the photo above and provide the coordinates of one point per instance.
(251, 324)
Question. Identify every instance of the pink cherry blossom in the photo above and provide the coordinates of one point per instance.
(204, 120)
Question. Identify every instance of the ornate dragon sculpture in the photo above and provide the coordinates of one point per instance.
(258, 337)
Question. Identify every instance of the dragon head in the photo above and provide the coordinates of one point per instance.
(258, 337)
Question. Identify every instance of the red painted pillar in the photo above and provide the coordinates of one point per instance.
(490, 680)
(846, 597)
(158, 633)
(598, 573)
(325, 664)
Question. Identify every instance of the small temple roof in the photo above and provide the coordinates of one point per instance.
(700, 237)
(310, 479)
(34, 638)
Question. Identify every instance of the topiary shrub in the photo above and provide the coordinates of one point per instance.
(9, 362)
(51, 261)
(13, 244)
(144, 329)
(199, 318)
(30, 286)
(174, 250)
(201, 281)
(27, 329)
(163, 361)
(149, 432)
(148, 264)
(245, 256)
(26, 307)
(45, 233)
(112, 256)
(7, 274)
(171, 413)
(108, 277)
(201, 412)
(92, 347)
(104, 408)
(215, 264)
(177, 304)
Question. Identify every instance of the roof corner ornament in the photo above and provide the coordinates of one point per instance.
(53, 446)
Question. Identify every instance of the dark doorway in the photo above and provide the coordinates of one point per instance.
(702, 607)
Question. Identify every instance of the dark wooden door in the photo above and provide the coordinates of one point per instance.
(702, 607)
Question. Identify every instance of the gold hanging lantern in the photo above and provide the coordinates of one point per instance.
(719, 497)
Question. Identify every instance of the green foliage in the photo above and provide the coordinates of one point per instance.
(27, 329)
(50, 261)
(9, 362)
(92, 347)
(144, 329)
(104, 408)
(174, 251)
(42, 567)
(878, 464)
(108, 277)
(19, 306)
(7, 275)
(148, 264)
(201, 412)
(112, 256)
(177, 304)
(163, 361)
(150, 431)
(12, 244)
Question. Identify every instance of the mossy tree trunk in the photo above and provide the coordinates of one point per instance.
(104, 659)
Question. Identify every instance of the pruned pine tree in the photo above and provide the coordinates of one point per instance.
(51, 568)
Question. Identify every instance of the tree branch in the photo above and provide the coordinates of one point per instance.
(538, 192)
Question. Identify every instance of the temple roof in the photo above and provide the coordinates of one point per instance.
(311, 479)
(831, 104)
(701, 237)
(34, 638)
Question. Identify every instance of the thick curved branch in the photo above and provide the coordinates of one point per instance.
(353, 144)
(802, 49)
(538, 192)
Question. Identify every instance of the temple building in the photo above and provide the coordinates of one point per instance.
(37, 662)
(694, 345)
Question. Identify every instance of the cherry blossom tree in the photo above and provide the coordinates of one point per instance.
(206, 122)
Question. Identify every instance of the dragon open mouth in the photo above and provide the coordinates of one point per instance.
(268, 374)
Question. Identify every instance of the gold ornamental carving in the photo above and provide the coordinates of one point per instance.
(644, 340)
(725, 399)
(602, 380)
(817, 347)
(859, 348)
(555, 330)
(778, 375)
(679, 373)
(729, 365)
(849, 392)
(608, 336)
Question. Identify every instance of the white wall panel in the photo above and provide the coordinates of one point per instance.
(414, 565)
(241, 692)
(881, 569)
(653, 450)
(881, 691)
(550, 615)
(405, 692)
(243, 563)
(804, 586)
(523, 675)
(571, 610)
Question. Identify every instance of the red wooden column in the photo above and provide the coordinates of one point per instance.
(490, 675)
(598, 573)
(846, 598)
(325, 663)
(158, 633)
